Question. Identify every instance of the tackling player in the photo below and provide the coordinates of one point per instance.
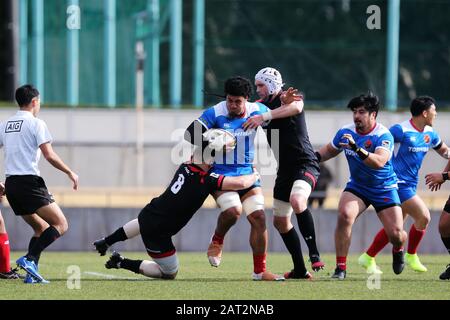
(166, 215)
(297, 172)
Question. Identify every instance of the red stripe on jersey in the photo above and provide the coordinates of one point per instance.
(412, 123)
(220, 182)
(309, 175)
(162, 255)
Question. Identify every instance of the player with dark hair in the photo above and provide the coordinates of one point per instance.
(230, 115)
(24, 137)
(415, 138)
(434, 181)
(368, 147)
(297, 173)
(166, 215)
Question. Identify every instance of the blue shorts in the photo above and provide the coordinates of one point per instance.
(406, 191)
(380, 199)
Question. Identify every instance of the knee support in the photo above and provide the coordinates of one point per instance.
(169, 265)
(228, 200)
(253, 203)
(281, 208)
(301, 187)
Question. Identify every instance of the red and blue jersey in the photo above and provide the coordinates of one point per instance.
(360, 173)
(411, 146)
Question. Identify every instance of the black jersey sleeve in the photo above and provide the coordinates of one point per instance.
(214, 181)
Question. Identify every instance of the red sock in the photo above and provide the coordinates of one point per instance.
(341, 263)
(217, 238)
(4, 253)
(259, 263)
(415, 236)
(379, 242)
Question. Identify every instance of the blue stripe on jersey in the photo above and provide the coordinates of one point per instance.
(360, 173)
(243, 154)
(412, 147)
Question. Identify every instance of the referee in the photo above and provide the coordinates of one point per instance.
(24, 137)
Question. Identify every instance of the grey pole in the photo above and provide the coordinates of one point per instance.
(176, 54)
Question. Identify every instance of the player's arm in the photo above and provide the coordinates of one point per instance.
(239, 182)
(375, 160)
(53, 158)
(291, 105)
(443, 150)
(436, 179)
(327, 152)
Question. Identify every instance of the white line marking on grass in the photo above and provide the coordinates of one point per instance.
(108, 276)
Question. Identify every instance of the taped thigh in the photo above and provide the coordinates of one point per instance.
(281, 208)
(253, 203)
(228, 200)
(301, 187)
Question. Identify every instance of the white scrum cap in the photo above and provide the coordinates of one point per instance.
(271, 77)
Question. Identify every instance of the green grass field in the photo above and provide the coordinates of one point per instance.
(232, 280)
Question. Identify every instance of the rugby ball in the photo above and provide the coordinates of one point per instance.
(220, 140)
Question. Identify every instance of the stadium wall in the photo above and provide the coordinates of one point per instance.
(99, 144)
(89, 224)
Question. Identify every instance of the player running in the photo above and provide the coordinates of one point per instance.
(415, 137)
(166, 215)
(297, 172)
(368, 147)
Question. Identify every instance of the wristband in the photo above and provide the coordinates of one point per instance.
(445, 175)
(363, 154)
(267, 115)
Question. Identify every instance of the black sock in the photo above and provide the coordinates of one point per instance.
(116, 236)
(446, 242)
(292, 242)
(33, 241)
(47, 238)
(132, 265)
(306, 225)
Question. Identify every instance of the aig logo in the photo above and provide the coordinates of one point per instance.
(13, 126)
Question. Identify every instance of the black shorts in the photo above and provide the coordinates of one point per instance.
(26, 194)
(157, 239)
(286, 178)
(447, 206)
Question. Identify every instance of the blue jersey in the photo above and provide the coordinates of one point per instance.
(240, 160)
(411, 146)
(360, 173)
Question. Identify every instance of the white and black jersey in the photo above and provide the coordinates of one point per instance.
(20, 136)
(172, 210)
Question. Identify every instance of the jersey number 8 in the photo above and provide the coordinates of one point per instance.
(178, 184)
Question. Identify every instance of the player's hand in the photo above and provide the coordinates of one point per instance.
(348, 142)
(434, 181)
(253, 122)
(74, 177)
(257, 175)
(290, 95)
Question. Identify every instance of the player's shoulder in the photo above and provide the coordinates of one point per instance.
(380, 130)
(220, 109)
(348, 128)
(429, 129)
(255, 107)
